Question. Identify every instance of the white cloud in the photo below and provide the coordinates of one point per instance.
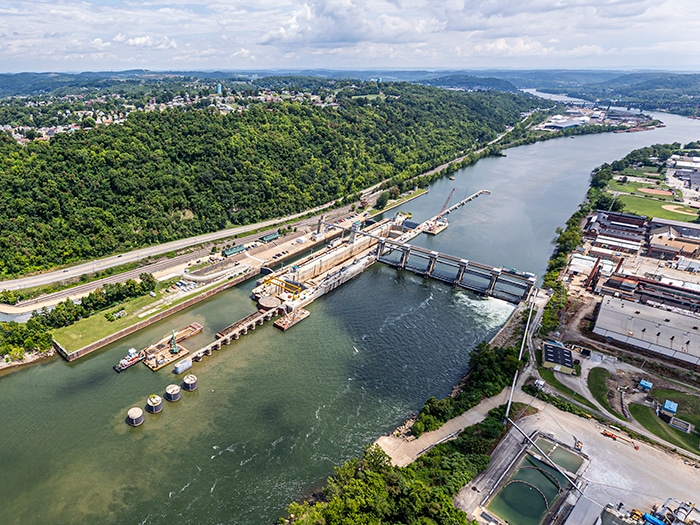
(148, 41)
(98, 43)
(163, 34)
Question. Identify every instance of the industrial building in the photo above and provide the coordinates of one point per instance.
(559, 358)
(667, 332)
(620, 232)
(683, 299)
(645, 386)
(691, 176)
(669, 239)
(233, 250)
(670, 408)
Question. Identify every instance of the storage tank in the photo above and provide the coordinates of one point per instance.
(154, 403)
(172, 393)
(189, 382)
(183, 365)
(134, 416)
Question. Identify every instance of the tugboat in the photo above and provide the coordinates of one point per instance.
(133, 357)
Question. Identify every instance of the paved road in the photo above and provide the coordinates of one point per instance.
(144, 253)
(370, 194)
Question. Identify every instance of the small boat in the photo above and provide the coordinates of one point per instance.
(452, 177)
(131, 358)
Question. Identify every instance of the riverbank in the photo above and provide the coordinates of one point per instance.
(30, 358)
(403, 448)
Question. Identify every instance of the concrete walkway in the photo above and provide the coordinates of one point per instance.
(403, 451)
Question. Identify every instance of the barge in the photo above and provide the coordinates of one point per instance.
(168, 349)
(286, 322)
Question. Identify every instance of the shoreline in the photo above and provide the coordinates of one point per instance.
(500, 338)
(30, 358)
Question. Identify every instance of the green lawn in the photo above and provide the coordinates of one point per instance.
(398, 202)
(646, 416)
(647, 172)
(596, 384)
(548, 375)
(96, 327)
(653, 208)
(631, 187)
(688, 404)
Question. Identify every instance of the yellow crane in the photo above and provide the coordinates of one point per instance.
(292, 289)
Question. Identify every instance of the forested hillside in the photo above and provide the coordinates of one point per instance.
(675, 93)
(166, 175)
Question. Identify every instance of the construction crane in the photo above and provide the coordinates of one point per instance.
(293, 289)
(447, 202)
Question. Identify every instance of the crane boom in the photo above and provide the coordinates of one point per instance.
(447, 202)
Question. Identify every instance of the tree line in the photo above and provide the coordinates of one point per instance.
(35, 334)
(162, 176)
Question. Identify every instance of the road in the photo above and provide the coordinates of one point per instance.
(370, 194)
(144, 253)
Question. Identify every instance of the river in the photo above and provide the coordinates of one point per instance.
(276, 411)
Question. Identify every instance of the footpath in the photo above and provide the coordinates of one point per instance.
(403, 450)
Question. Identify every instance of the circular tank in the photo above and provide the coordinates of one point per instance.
(172, 393)
(269, 303)
(189, 382)
(134, 416)
(154, 404)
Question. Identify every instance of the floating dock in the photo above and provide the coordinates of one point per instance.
(435, 227)
(292, 318)
(167, 349)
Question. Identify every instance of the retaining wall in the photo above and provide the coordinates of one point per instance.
(72, 356)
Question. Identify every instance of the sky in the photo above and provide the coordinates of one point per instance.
(112, 35)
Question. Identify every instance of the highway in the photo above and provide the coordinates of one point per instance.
(144, 253)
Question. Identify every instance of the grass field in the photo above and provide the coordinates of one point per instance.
(96, 327)
(596, 384)
(646, 416)
(653, 208)
(688, 404)
(648, 172)
(398, 202)
(631, 187)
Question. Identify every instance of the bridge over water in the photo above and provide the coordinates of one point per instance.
(503, 283)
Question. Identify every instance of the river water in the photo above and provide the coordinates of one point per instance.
(276, 411)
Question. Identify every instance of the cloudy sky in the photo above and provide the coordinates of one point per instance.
(82, 35)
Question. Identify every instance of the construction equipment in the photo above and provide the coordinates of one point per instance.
(292, 289)
(447, 203)
(615, 437)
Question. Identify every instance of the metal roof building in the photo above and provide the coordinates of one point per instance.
(645, 386)
(664, 331)
(671, 407)
(558, 358)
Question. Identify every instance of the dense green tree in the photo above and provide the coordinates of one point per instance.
(176, 173)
